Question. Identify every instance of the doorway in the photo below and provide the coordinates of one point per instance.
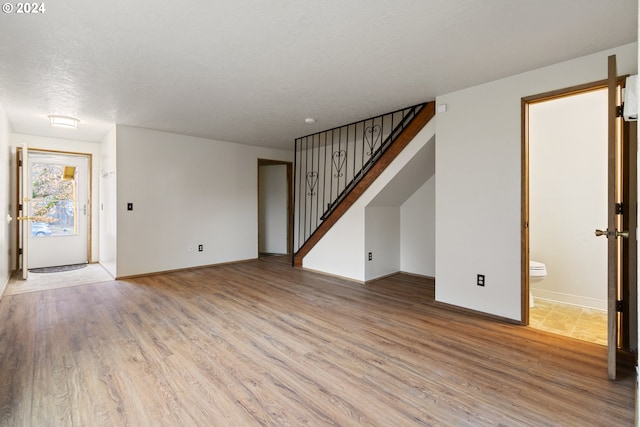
(55, 208)
(567, 137)
(274, 207)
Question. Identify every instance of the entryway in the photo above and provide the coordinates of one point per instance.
(59, 208)
(90, 273)
(54, 209)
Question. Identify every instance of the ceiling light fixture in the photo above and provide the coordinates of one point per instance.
(309, 120)
(63, 122)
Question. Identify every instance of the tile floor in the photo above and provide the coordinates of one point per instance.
(92, 273)
(585, 324)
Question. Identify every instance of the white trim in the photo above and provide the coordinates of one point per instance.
(4, 286)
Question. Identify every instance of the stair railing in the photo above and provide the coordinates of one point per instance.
(328, 164)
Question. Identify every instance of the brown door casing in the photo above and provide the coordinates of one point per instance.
(622, 175)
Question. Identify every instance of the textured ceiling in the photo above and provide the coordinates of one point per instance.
(251, 71)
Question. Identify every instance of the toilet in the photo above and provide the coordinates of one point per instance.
(537, 272)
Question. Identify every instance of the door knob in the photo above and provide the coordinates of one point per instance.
(617, 233)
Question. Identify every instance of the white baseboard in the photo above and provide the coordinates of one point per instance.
(4, 285)
(570, 299)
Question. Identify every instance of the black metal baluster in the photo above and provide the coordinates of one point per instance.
(317, 179)
(382, 138)
(362, 145)
(306, 172)
(393, 124)
(312, 178)
(337, 178)
(324, 172)
(313, 183)
(301, 190)
(346, 158)
(296, 241)
(307, 168)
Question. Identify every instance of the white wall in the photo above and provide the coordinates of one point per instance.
(478, 205)
(272, 200)
(108, 202)
(5, 201)
(343, 250)
(568, 197)
(59, 144)
(382, 239)
(185, 191)
(418, 231)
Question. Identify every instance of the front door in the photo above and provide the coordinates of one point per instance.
(58, 209)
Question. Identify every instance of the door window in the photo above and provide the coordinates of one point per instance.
(54, 200)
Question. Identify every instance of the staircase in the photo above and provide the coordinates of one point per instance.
(333, 168)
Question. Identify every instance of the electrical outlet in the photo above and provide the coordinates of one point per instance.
(129, 206)
(480, 279)
(370, 256)
(200, 248)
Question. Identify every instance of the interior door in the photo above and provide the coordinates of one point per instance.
(59, 209)
(619, 213)
(23, 209)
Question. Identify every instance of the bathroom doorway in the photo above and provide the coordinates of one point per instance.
(620, 204)
(567, 202)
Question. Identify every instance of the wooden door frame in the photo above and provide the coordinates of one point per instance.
(524, 226)
(289, 165)
(629, 285)
(629, 246)
(89, 157)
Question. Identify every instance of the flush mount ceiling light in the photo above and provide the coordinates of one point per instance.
(309, 120)
(63, 122)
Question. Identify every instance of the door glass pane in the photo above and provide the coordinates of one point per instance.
(53, 202)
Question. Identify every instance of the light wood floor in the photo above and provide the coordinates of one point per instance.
(259, 343)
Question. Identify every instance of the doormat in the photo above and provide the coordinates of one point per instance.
(58, 268)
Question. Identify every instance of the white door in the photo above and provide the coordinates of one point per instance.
(58, 209)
